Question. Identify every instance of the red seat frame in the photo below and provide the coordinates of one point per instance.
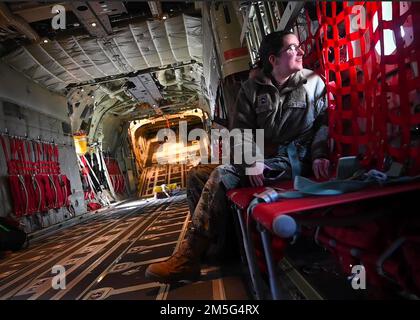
(265, 213)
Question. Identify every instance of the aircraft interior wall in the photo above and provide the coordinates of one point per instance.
(29, 111)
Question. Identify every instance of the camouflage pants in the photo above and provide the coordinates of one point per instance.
(206, 191)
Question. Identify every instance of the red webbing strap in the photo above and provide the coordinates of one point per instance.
(34, 176)
(56, 159)
(55, 188)
(38, 164)
(43, 164)
(114, 185)
(85, 165)
(12, 160)
(117, 179)
(47, 159)
(66, 189)
(89, 193)
(6, 153)
(14, 156)
(117, 183)
(49, 192)
(30, 153)
(64, 182)
(25, 163)
(110, 171)
(43, 159)
(16, 181)
(51, 159)
(60, 183)
(17, 192)
(14, 184)
(45, 177)
(42, 178)
(59, 190)
(30, 183)
(121, 178)
(20, 157)
(37, 179)
(21, 168)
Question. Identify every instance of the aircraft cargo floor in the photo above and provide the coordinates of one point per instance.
(105, 258)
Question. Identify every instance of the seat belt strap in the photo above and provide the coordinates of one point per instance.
(294, 160)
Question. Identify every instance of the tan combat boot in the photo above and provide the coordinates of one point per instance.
(184, 264)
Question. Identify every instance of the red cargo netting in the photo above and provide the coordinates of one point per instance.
(369, 54)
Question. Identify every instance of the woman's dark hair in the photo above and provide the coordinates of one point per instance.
(272, 43)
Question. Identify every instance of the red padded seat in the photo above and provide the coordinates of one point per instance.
(265, 213)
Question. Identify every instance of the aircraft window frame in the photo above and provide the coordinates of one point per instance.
(252, 47)
(255, 31)
(271, 7)
(277, 11)
(265, 17)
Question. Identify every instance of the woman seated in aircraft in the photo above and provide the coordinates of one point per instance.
(289, 103)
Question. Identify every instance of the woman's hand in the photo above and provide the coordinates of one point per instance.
(321, 167)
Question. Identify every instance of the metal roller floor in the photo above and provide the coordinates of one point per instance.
(105, 258)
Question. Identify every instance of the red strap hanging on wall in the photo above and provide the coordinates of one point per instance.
(35, 182)
(117, 179)
(16, 190)
(42, 205)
